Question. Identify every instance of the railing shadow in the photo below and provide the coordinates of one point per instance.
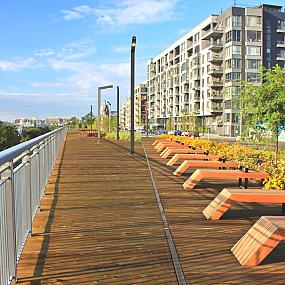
(39, 268)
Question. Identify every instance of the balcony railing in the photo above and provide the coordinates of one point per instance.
(212, 33)
(24, 170)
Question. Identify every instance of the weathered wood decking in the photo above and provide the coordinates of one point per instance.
(100, 224)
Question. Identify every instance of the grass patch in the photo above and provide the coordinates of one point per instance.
(124, 136)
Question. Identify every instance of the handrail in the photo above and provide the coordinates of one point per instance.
(24, 174)
(12, 152)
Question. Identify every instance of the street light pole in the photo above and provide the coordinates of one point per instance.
(110, 115)
(118, 112)
(133, 49)
(99, 107)
(91, 119)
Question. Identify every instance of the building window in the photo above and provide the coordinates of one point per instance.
(253, 63)
(253, 21)
(236, 21)
(228, 36)
(253, 36)
(253, 77)
(233, 76)
(281, 24)
(251, 50)
(236, 35)
(228, 51)
(236, 50)
(233, 63)
(228, 22)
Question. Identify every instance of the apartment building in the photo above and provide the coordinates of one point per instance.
(140, 109)
(200, 73)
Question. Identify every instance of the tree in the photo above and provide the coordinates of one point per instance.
(9, 136)
(188, 122)
(31, 133)
(86, 121)
(263, 107)
(169, 124)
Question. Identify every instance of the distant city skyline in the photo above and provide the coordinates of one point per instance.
(54, 55)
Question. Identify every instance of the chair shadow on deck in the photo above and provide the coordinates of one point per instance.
(39, 268)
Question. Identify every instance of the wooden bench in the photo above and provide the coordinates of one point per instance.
(260, 240)
(200, 174)
(162, 145)
(160, 140)
(177, 157)
(227, 197)
(205, 164)
(175, 150)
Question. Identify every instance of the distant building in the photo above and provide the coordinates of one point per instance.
(200, 73)
(140, 109)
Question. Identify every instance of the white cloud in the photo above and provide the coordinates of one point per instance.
(45, 52)
(77, 12)
(17, 64)
(121, 49)
(126, 12)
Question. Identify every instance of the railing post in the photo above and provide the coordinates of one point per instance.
(28, 189)
(11, 222)
(40, 175)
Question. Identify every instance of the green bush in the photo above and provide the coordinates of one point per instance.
(124, 136)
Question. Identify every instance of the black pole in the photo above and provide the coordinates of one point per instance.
(91, 119)
(118, 113)
(133, 48)
(146, 119)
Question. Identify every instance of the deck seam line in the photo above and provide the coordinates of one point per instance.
(167, 231)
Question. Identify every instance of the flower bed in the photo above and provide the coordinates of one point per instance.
(259, 160)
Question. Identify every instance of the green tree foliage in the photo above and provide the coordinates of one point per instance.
(31, 133)
(188, 122)
(169, 124)
(263, 107)
(9, 136)
(86, 121)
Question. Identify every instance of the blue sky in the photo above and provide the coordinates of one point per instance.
(54, 54)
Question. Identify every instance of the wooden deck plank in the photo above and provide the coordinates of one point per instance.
(99, 222)
(203, 245)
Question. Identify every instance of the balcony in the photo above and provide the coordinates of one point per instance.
(216, 109)
(216, 84)
(280, 29)
(216, 71)
(216, 58)
(196, 99)
(212, 33)
(196, 77)
(280, 57)
(280, 44)
(216, 46)
(215, 96)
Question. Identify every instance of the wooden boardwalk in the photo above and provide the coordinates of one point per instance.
(100, 224)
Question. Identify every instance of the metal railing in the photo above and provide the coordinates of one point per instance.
(24, 172)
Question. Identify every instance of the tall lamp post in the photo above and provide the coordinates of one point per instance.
(118, 113)
(133, 49)
(99, 107)
(110, 115)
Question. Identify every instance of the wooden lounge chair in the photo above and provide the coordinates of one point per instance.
(174, 150)
(227, 197)
(161, 146)
(200, 174)
(178, 157)
(260, 240)
(160, 140)
(205, 164)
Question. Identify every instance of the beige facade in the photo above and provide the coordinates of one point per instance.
(140, 109)
(200, 73)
